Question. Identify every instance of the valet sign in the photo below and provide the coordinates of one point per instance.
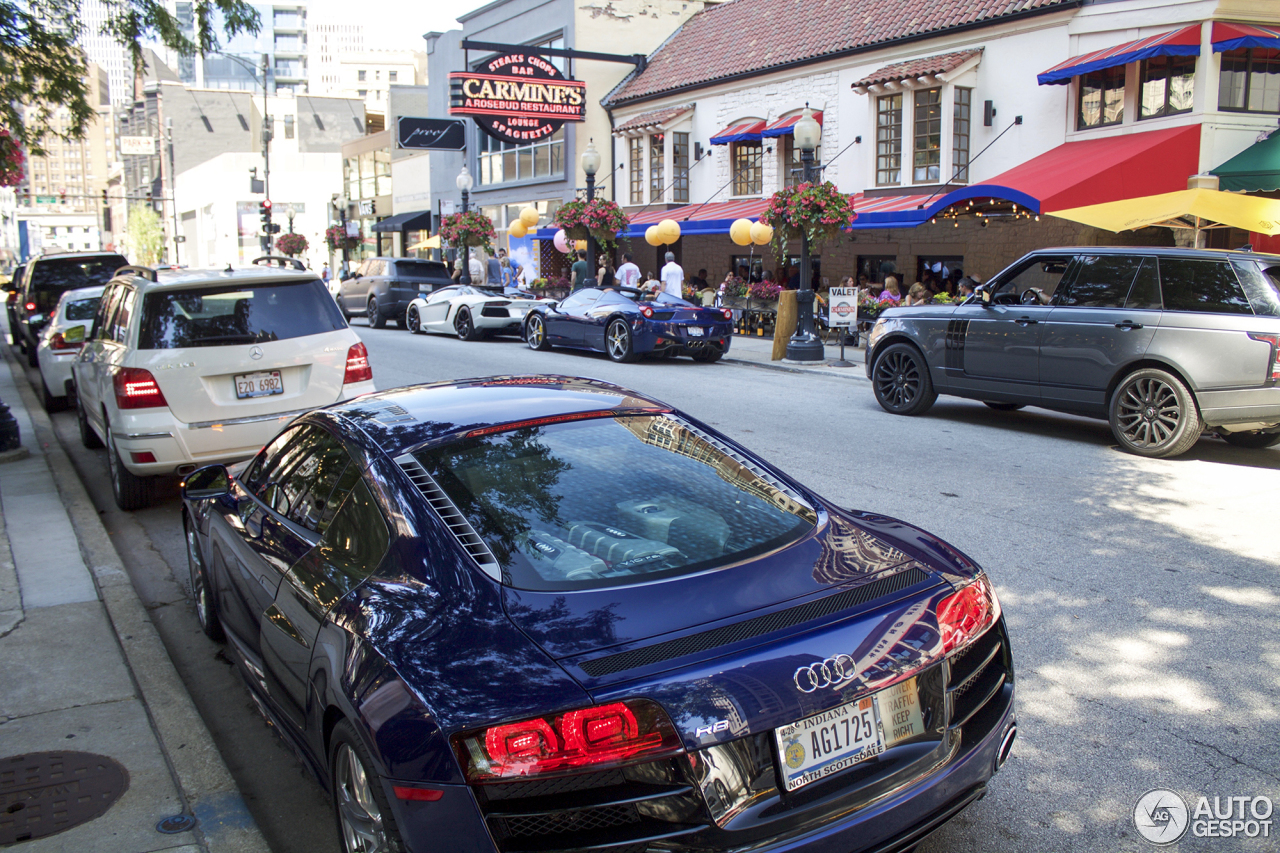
(517, 97)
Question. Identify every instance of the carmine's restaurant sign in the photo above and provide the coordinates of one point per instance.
(517, 97)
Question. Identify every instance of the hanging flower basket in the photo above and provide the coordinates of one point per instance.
(11, 160)
(819, 210)
(472, 228)
(335, 237)
(291, 244)
(599, 218)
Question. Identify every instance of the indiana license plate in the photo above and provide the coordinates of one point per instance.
(695, 332)
(264, 383)
(818, 746)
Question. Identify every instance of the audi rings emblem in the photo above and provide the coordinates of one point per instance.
(255, 353)
(828, 673)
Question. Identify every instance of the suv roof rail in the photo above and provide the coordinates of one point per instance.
(281, 261)
(145, 272)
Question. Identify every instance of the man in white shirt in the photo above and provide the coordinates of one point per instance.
(672, 276)
(476, 269)
(628, 274)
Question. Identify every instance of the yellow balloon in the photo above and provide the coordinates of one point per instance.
(652, 237)
(740, 232)
(580, 245)
(668, 231)
(516, 229)
(761, 233)
(529, 216)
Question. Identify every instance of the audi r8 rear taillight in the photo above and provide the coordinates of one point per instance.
(589, 738)
(965, 614)
(358, 369)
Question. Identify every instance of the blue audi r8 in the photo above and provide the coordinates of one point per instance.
(624, 323)
(539, 613)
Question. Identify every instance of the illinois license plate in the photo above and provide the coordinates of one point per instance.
(695, 331)
(826, 743)
(264, 383)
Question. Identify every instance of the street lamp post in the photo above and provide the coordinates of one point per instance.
(290, 212)
(464, 183)
(805, 345)
(173, 187)
(340, 205)
(591, 165)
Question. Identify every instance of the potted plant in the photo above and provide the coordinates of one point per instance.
(336, 238)
(472, 228)
(291, 244)
(599, 218)
(818, 211)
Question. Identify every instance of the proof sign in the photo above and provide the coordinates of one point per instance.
(843, 305)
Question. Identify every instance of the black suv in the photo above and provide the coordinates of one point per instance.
(45, 279)
(1163, 343)
(382, 288)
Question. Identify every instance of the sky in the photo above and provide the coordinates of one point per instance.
(399, 24)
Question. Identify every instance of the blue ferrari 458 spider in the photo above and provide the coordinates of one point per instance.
(539, 613)
(624, 323)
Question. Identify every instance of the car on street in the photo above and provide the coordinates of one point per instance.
(13, 291)
(382, 288)
(526, 613)
(61, 341)
(470, 312)
(187, 367)
(1165, 344)
(46, 278)
(625, 323)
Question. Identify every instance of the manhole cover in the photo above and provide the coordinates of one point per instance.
(43, 793)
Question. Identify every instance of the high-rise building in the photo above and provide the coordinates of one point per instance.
(104, 51)
(70, 176)
(330, 40)
(282, 38)
(371, 74)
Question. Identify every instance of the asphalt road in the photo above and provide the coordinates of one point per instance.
(1140, 594)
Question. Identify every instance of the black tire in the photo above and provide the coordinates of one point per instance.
(201, 589)
(50, 403)
(365, 821)
(709, 356)
(535, 333)
(130, 491)
(88, 437)
(33, 359)
(1003, 407)
(618, 344)
(1153, 414)
(342, 309)
(900, 379)
(412, 320)
(464, 326)
(376, 320)
(1251, 440)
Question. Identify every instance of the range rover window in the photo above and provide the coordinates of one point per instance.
(1262, 283)
(1101, 281)
(1145, 293)
(613, 500)
(231, 315)
(1190, 284)
(1041, 274)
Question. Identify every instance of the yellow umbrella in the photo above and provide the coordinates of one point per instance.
(429, 243)
(1197, 210)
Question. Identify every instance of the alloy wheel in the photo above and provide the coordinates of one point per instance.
(1148, 412)
(536, 333)
(361, 819)
(413, 321)
(462, 324)
(897, 378)
(618, 341)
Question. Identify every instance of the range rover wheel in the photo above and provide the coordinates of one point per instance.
(365, 822)
(900, 378)
(1153, 414)
(1251, 440)
(535, 333)
(1003, 407)
(376, 320)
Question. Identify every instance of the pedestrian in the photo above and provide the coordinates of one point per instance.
(475, 269)
(699, 282)
(579, 271)
(891, 292)
(324, 274)
(918, 295)
(673, 277)
(493, 269)
(605, 275)
(966, 287)
(628, 274)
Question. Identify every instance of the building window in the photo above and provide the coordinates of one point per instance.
(791, 163)
(1167, 83)
(501, 161)
(288, 127)
(657, 176)
(888, 140)
(362, 92)
(362, 75)
(392, 76)
(680, 168)
(748, 177)
(926, 150)
(1101, 98)
(637, 170)
(1250, 81)
(377, 75)
(960, 132)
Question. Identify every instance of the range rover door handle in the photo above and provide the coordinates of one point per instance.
(1026, 321)
(1128, 325)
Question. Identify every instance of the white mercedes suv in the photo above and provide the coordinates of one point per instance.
(185, 368)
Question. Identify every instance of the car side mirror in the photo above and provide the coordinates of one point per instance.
(986, 296)
(211, 481)
(74, 335)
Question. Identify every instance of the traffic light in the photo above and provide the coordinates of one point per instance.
(264, 207)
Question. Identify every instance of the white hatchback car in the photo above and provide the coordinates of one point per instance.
(190, 367)
(61, 341)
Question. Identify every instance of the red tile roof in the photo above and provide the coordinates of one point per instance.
(653, 119)
(912, 68)
(749, 36)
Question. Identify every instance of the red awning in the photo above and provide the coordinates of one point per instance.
(710, 218)
(1183, 42)
(787, 126)
(748, 131)
(1228, 36)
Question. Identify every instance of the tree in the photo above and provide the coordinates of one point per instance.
(144, 234)
(42, 67)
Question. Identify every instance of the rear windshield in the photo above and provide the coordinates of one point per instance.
(1262, 283)
(232, 315)
(51, 277)
(83, 309)
(610, 501)
(421, 269)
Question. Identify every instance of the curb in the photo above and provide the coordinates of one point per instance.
(855, 373)
(11, 612)
(207, 786)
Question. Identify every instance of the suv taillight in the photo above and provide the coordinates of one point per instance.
(136, 388)
(58, 343)
(1274, 340)
(12, 298)
(358, 369)
(964, 615)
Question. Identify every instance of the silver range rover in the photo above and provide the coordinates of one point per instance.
(1165, 344)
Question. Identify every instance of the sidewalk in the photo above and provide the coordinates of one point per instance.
(758, 351)
(98, 737)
